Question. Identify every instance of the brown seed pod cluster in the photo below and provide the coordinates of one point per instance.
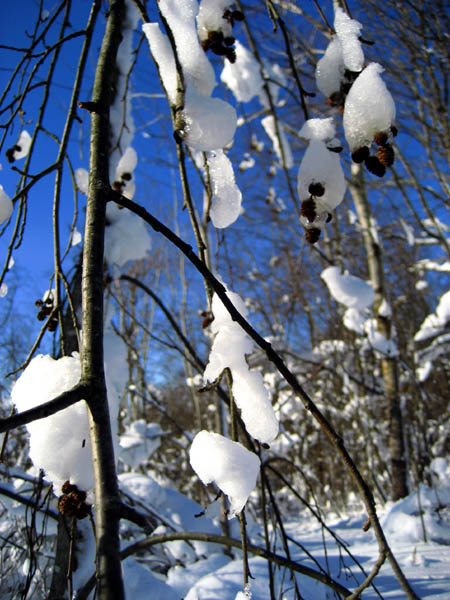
(384, 156)
(312, 235)
(11, 151)
(308, 209)
(72, 503)
(120, 184)
(220, 44)
(337, 99)
(208, 318)
(45, 309)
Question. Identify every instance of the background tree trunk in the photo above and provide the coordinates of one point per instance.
(374, 253)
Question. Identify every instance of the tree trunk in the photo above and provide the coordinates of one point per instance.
(107, 501)
(399, 488)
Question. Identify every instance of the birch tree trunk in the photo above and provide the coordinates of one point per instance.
(399, 487)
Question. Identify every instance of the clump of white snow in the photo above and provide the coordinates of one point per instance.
(209, 123)
(348, 32)
(228, 464)
(82, 180)
(163, 55)
(126, 236)
(320, 183)
(21, 147)
(206, 123)
(435, 323)
(377, 341)
(59, 444)
(369, 108)
(230, 346)
(269, 126)
(226, 196)
(330, 69)
(210, 18)
(6, 206)
(123, 180)
(243, 77)
(347, 289)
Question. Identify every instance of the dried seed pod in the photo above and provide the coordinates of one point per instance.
(336, 99)
(316, 189)
(360, 155)
(329, 217)
(385, 155)
(308, 209)
(118, 186)
(206, 322)
(53, 324)
(380, 138)
(336, 149)
(229, 41)
(38, 303)
(312, 235)
(68, 487)
(41, 316)
(238, 15)
(218, 48)
(126, 176)
(230, 54)
(394, 130)
(374, 166)
(10, 154)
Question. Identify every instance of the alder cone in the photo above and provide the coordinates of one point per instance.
(375, 166)
(385, 155)
(380, 138)
(360, 155)
(312, 235)
(308, 210)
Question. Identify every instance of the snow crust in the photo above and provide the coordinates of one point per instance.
(377, 341)
(227, 197)
(126, 165)
(369, 108)
(228, 464)
(230, 346)
(6, 206)
(243, 77)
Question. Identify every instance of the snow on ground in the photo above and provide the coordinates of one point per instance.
(209, 574)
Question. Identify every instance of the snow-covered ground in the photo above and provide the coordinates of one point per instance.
(203, 572)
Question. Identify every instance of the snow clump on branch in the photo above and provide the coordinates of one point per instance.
(6, 206)
(228, 464)
(60, 444)
(204, 123)
(229, 349)
(226, 196)
(321, 183)
(369, 115)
